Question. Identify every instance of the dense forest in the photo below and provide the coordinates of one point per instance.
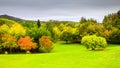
(39, 32)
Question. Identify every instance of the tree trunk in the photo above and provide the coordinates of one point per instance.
(11, 50)
(28, 52)
(93, 48)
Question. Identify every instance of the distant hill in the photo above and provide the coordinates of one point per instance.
(12, 18)
(19, 20)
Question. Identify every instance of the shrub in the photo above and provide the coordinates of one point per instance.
(26, 43)
(9, 41)
(93, 42)
(46, 44)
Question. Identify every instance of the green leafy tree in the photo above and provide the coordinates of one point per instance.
(114, 35)
(28, 24)
(83, 20)
(118, 13)
(93, 42)
(112, 19)
(36, 33)
(86, 28)
(112, 23)
(67, 34)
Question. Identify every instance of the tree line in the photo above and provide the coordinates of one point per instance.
(54, 31)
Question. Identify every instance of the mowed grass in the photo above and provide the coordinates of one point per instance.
(65, 56)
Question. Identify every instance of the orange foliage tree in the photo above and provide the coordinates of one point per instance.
(9, 41)
(46, 43)
(26, 43)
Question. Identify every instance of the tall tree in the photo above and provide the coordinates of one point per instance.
(118, 13)
(38, 23)
(82, 20)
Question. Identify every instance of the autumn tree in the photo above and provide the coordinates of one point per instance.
(26, 44)
(112, 23)
(17, 30)
(37, 33)
(4, 29)
(9, 41)
(67, 33)
(57, 33)
(107, 34)
(46, 44)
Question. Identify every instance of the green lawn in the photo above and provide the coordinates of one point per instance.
(65, 56)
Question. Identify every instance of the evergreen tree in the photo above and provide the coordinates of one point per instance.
(38, 23)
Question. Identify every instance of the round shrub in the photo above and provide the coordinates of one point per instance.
(46, 44)
(94, 42)
(9, 41)
(26, 44)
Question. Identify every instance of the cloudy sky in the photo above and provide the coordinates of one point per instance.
(71, 10)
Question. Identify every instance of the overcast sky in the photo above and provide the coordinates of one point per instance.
(59, 9)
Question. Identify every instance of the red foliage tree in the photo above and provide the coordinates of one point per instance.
(26, 43)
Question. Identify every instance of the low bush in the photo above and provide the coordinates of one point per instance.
(94, 42)
(46, 44)
(26, 44)
(8, 41)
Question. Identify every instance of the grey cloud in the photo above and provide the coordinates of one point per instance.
(59, 3)
(61, 8)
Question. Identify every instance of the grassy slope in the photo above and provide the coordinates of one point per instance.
(65, 56)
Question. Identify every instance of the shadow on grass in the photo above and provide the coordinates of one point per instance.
(113, 45)
(64, 43)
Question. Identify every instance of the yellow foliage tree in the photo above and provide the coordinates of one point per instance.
(17, 29)
(56, 31)
(4, 29)
(106, 34)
